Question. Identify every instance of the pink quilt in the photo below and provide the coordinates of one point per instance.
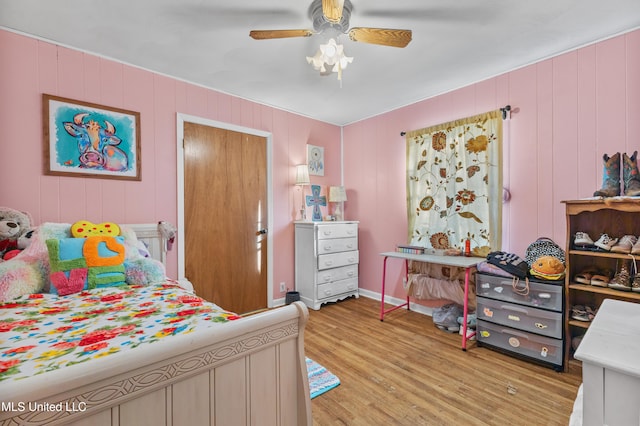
(43, 332)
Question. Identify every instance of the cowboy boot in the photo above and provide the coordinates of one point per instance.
(630, 175)
(610, 177)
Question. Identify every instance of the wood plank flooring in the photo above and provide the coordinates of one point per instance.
(404, 371)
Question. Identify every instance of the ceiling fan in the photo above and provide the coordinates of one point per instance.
(335, 14)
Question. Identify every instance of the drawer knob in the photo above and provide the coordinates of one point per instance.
(327, 248)
(328, 262)
(350, 273)
(352, 259)
(327, 292)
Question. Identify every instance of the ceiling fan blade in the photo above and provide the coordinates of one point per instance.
(269, 34)
(383, 36)
(332, 10)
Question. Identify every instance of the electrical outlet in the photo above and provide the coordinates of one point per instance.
(283, 287)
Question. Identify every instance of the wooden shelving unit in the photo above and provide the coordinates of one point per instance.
(616, 217)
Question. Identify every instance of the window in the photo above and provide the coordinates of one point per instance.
(454, 184)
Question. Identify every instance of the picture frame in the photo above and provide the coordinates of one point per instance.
(83, 139)
(315, 160)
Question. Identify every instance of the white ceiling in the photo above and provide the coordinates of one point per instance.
(455, 43)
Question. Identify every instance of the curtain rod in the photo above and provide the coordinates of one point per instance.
(504, 110)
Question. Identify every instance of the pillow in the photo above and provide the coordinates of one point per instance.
(84, 229)
(77, 264)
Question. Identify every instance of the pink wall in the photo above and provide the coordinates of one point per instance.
(30, 67)
(568, 112)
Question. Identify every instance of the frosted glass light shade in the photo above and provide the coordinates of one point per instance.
(302, 175)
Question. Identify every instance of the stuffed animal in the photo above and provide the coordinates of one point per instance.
(84, 229)
(548, 268)
(13, 225)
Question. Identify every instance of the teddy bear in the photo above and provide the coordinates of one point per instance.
(548, 268)
(14, 225)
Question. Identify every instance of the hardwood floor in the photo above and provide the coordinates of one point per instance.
(404, 371)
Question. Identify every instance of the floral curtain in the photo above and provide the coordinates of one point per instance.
(454, 184)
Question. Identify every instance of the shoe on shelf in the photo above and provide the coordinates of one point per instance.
(625, 244)
(582, 240)
(583, 313)
(635, 284)
(605, 242)
(602, 278)
(584, 277)
(636, 247)
(622, 280)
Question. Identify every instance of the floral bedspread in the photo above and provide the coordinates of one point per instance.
(43, 332)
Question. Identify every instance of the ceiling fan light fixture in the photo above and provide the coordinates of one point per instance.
(331, 54)
(332, 10)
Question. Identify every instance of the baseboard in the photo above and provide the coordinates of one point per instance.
(415, 307)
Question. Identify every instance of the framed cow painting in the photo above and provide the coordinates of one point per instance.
(88, 140)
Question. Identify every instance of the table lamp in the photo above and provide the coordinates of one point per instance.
(338, 195)
(302, 179)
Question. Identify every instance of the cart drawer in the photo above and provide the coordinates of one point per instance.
(524, 318)
(538, 294)
(520, 342)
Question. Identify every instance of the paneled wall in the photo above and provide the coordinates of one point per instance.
(567, 112)
(30, 67)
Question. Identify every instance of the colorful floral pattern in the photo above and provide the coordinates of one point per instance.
(453, 183)
(44, 332)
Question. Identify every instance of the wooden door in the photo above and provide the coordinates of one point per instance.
(225, 210)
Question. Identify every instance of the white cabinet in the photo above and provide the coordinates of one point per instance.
(609, 352)
(326, 261)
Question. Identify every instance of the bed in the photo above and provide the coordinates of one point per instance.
(171, 360)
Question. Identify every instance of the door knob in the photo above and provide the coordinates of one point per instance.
(261, 232)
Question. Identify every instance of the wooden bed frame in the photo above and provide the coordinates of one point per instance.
(246, 372)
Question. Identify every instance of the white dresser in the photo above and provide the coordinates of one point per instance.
(326, 261)
(610, 355)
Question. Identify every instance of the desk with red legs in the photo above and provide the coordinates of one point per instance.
(459, 261)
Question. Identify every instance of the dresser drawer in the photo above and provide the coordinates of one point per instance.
(326, 261)
(337, 287)
(531, 345)
(336, 274)
(521, 317)
(338, 230)
(335, 245)
(539, 295)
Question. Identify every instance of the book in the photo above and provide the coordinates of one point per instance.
(403, 248)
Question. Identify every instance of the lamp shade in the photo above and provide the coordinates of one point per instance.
(337, 194)
(302, 175)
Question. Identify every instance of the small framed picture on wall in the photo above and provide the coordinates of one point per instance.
(315, 160)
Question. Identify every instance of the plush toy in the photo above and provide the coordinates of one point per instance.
(84, 229)
(13, 225)
(548, 268)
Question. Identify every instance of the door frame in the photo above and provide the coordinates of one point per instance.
(186, 118)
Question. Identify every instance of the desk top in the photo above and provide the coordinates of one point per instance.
(613, 339)
(460, 261)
